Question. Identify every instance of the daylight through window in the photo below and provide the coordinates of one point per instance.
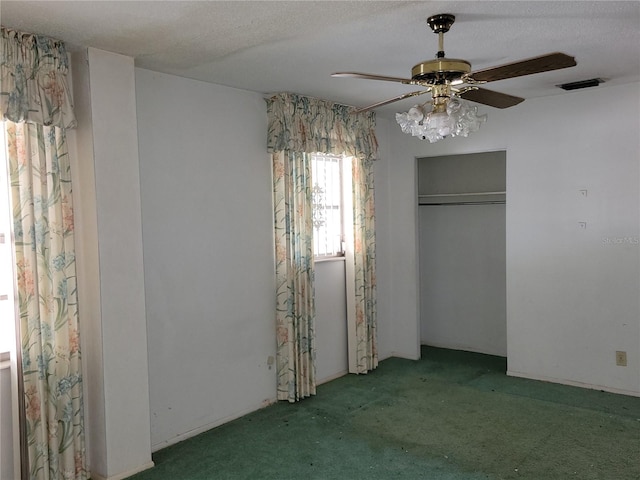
(327, 201)
(7, 314)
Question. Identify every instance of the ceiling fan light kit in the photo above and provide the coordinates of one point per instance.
(433, 122)
(451, 82)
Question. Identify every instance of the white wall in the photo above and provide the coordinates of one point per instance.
(208, 253)
(462, 277)
(572, 293)
(109, 258)
(572, 298)
(6, 421)
(80, 142)
(331, 320)
(398, 312)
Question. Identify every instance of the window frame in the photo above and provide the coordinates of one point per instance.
(340, 184)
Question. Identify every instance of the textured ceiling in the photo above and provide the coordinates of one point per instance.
(294, 46)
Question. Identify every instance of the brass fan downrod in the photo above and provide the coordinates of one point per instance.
(441, 24)
(442, 69)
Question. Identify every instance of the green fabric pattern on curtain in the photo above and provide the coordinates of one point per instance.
(365, 265)
(47, 300)
(310, 125)
(36, 107)
(298, 126)
(295, 307)
(33, 82)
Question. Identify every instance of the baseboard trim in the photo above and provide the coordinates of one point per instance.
(332, 377)
(466, 348)
(197, 431)
(405, 356)
(572, 383)
(122, 476)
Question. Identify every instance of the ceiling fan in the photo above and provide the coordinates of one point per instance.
(445, 78)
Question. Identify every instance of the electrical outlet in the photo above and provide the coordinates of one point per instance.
(621, 358)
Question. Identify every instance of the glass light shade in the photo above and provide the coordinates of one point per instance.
(415, 114)
(441, 123)
(459, 119)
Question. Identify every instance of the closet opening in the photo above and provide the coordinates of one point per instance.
(462, 252)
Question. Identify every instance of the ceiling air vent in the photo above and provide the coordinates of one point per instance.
(594, 82)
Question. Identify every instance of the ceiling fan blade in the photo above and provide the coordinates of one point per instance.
(543, 63)
(491, 98)
(391, 100)
(370, 76)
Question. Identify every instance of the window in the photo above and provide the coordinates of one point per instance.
(7, 313)
(327, 198)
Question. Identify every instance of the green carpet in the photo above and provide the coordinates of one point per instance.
(451, 416)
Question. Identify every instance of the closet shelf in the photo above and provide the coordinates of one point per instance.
(466, 198)
(460, 194)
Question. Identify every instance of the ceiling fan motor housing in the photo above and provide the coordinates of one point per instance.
(440, 70)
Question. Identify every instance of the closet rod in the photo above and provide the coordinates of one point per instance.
(466, 194)
(489, 202)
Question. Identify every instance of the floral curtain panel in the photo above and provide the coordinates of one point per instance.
(310, 125)
(33, 83)
(295, 307)
(365, 265)
(47, 300)
(299, 126)
(36, 108)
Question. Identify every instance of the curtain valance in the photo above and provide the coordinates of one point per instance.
(33, 83)
(308, 125)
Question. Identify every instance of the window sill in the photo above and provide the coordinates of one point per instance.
(5, 362)
(328, 259)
